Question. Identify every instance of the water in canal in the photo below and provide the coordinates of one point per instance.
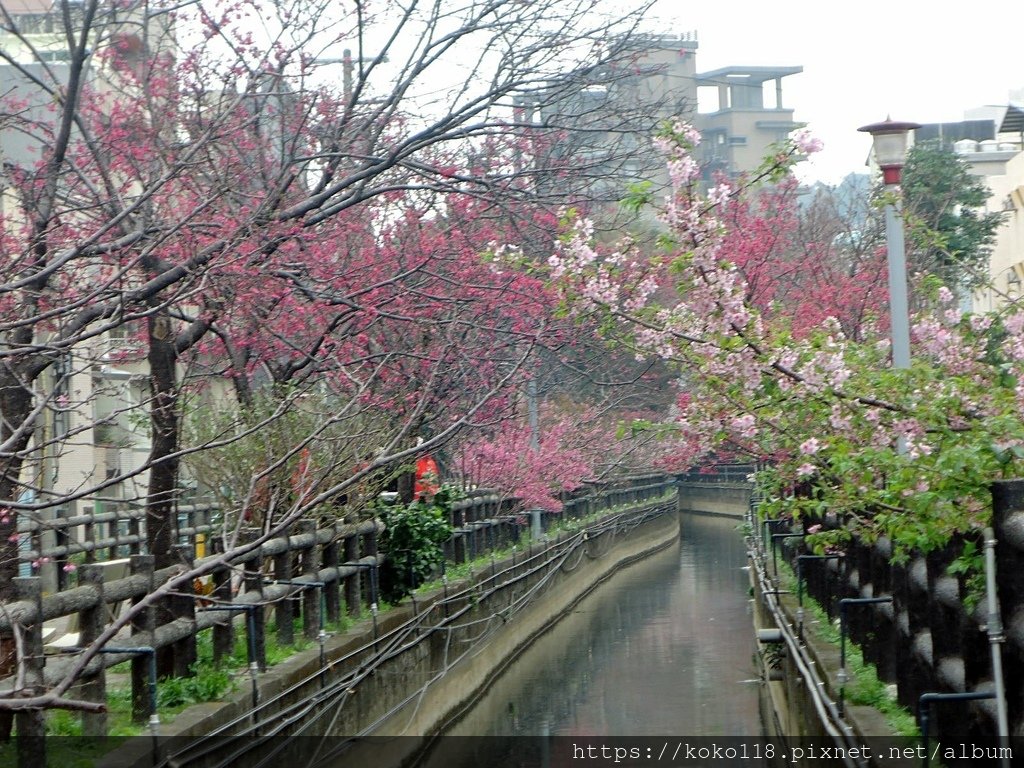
(664, 647)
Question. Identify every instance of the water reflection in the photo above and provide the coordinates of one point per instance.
(660, 649)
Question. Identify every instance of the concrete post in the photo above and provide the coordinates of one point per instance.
(253, 581)
(143, 625)
(31, 724)
(1008, 525)
(92, 622)
(284, 612)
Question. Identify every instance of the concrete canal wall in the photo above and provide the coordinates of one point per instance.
(566, 585)
(714, 498)
(421, 667)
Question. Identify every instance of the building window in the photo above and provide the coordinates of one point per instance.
(61, 390)
(1012, 283)
(55, 57)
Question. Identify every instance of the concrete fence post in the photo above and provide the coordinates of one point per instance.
(332, 591)
(223, 632)
(946, 616)
(311, 559)
(852, 586)
(910, 601)
(252, 580)
(31, 725)
(92, 622)
(184, 607)
(459, 553)
(353, 583)
(135, 531)
(886, 630)
(284, 613)
(90, 537)
(62, 540)
(143, 626)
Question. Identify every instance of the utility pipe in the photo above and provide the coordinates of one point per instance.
(250, 635)
(924, 712)
(996, 638)
(831, 717)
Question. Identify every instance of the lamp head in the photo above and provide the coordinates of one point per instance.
(890, 146)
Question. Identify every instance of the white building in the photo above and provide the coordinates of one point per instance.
(1000, 161)
(94, 428)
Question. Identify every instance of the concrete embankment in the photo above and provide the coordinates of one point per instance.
(711, 498)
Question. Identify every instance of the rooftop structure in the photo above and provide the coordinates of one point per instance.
(611, 123)
(750, 116)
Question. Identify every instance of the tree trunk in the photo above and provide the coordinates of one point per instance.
(15, 407)
(163, 472)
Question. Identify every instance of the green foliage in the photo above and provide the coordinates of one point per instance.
(774, 654)
(951, 234)
(965, 434)
(61, 722)
(206, 684)
(907, 454)
(411, 544)
(970, 566)
(638, 196)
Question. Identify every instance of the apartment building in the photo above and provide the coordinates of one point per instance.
(608, 124)
(991, 141)
(750, 116)
(92, 429)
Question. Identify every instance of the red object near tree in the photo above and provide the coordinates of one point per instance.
(428, 478)
(302, 482)
(805, 266)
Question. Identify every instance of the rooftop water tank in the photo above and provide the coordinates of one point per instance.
(988, 145)
(965, 146)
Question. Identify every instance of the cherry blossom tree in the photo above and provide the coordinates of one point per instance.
(404, 332)
(804, 265)
(199, 194)
(535, 469)
(907, 454)
(170, 152)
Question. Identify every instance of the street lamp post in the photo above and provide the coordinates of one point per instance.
(890, 146)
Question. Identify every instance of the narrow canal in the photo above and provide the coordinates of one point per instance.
(665, 647)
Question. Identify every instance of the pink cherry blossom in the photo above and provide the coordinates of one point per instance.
(805, 142)
(810, 446)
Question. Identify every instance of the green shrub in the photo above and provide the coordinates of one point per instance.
(411, 544)
(206, 684)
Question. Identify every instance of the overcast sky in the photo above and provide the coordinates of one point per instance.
(934, 61)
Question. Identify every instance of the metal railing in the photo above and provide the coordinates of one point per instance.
(317, 573)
